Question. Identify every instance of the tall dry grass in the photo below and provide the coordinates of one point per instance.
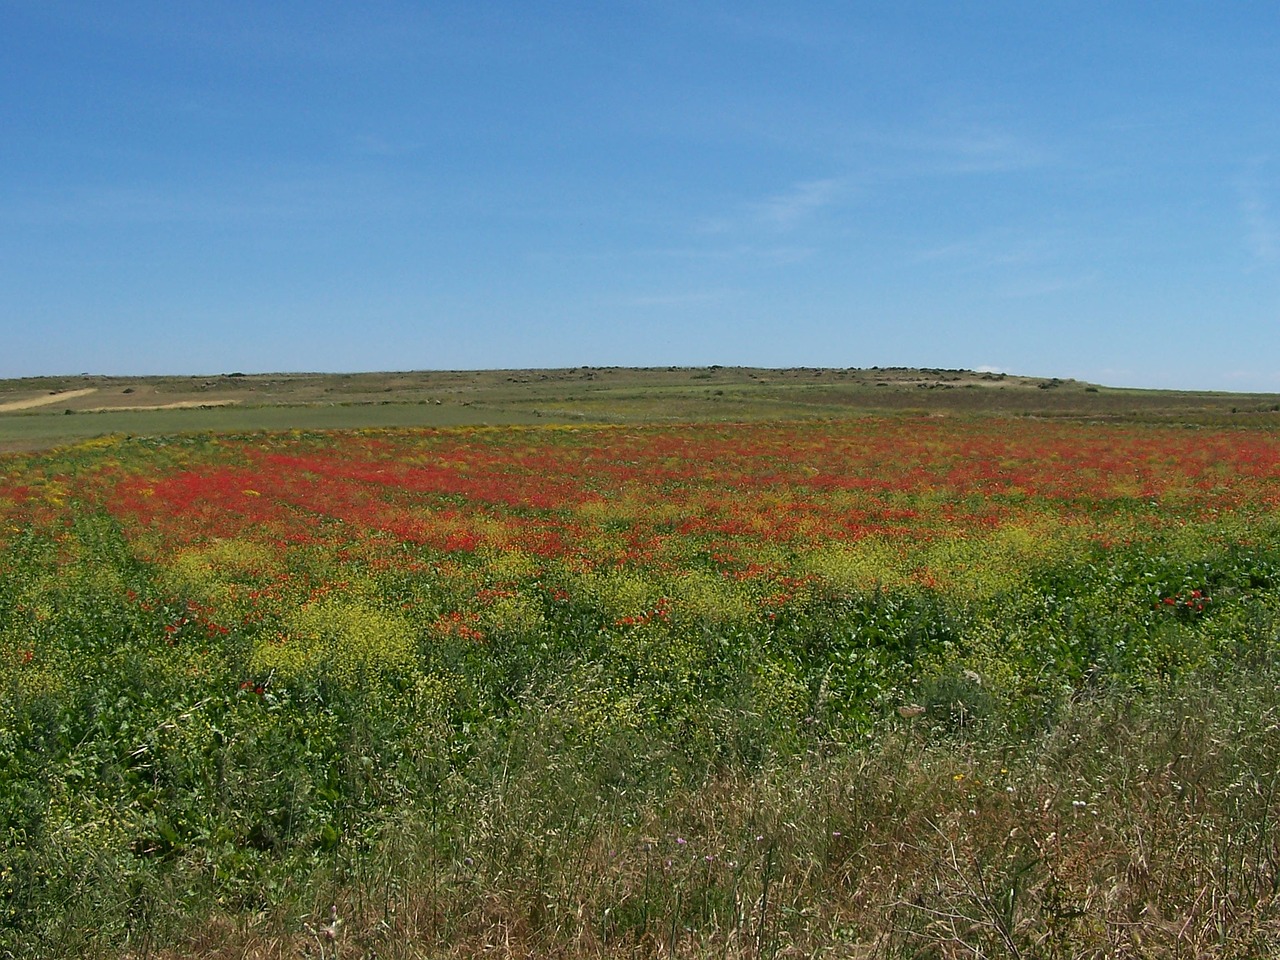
(1134, 826)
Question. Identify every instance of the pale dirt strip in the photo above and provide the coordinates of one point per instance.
(176, 405)
(43, 401)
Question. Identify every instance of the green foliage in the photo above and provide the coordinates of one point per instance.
(344, 640)
(232, 722)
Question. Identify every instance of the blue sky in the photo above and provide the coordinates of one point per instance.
(1085, 190)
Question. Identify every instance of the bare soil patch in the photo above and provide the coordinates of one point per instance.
(46, 400)
(176, 405)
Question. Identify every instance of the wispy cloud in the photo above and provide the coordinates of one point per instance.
(992, 249)
(268, 201)
(373, 145)
(1262, 236)
(1014, 264)
(871, 161)
(762, 253)
(785, 211)
(958, 143)
(799, 202)
(685, 299)
(972, 150)
(711, 253)
(1032, 287)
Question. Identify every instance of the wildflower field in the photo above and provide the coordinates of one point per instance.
(899, 686)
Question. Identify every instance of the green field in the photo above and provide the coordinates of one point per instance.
(603, 394)
(638, 663)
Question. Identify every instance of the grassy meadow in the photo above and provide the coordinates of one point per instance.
(42, 412)
(668, 663)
